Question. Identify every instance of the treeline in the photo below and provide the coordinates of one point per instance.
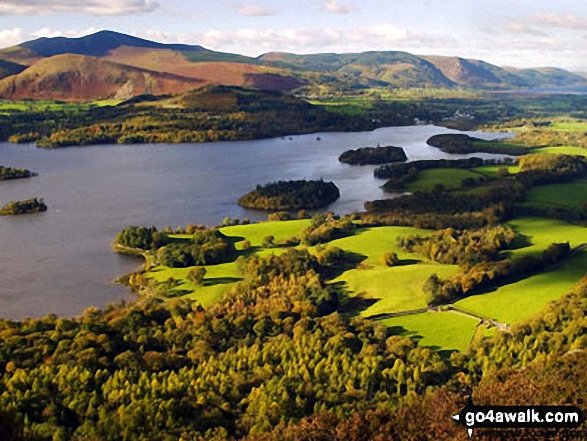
(208, 247)
(203, 247)
(325, 228)
(542, 132)
(291, 195)
(441, 201)
(23, 207)
(373, 155)
(7, 173)
(398, 175)
(452, 247)
(456, 143)
(472, 278)
(541, 169)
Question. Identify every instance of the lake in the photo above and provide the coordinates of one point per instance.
(61, 261)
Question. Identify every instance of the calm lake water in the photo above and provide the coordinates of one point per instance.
(61, 261)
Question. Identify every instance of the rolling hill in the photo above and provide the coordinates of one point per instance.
(84, 78)
(110, 64)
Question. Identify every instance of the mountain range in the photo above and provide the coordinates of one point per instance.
(113, 65)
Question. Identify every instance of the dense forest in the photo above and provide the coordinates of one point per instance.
(291, 195)
(373, 155)
(273, 359)
(23, 207)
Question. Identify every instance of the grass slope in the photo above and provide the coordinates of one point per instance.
(448, 177)
(539, 233)
(518, 301)
(443, 330)
(570, 195)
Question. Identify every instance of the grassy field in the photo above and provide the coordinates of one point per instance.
(392, 289)
(449, 177)
(539, 233)
(371, 279)
(491, 171)
(570, 195)
(256, 232)
(518, 301)
(385, 290)
(7, 106)
(562, 150)
(443, 330)
(569, 126)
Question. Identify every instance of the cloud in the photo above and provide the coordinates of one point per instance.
(568, 21)
(521, 28)
(337, 7)
(10, 37)
(382, 36)
(89, 7)
(540, 24)
(251, 10)
(72, 33)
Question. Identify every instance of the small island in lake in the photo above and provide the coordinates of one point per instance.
(23, 207)
(373, 155)
(7, 173)
(291, 195)
(458, 143)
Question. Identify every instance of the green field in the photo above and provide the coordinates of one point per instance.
(221, 278)
(491, 171)
(569, 195)
(539, 233)
(394, 289)
(256, 232)
(37, 106)
(518, 301)
(448, 177)
(567, 126)
(562, 150)
(385, 290)
(373, 242)
(443, 330)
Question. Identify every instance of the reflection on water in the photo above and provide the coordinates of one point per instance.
(61, 261)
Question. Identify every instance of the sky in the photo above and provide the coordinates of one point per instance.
(513, 33)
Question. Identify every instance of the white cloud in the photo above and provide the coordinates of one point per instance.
(254, 10)
(568, 21)
(10, 37)
(338, 8)
(307, 40)
(72, 33)
(522, 28)
(89, 7)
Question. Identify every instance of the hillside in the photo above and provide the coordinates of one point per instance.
(82, 78)
(393, 68)
(8, 68)
(111, 64)
(548, 77)
(224, 69)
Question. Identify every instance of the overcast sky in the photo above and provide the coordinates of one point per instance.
(518, 33)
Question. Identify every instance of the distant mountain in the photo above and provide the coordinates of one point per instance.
(548, 77)
(109, 64)
(399, 69)
(97, 45)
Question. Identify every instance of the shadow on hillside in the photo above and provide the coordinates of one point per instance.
(220, 281)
